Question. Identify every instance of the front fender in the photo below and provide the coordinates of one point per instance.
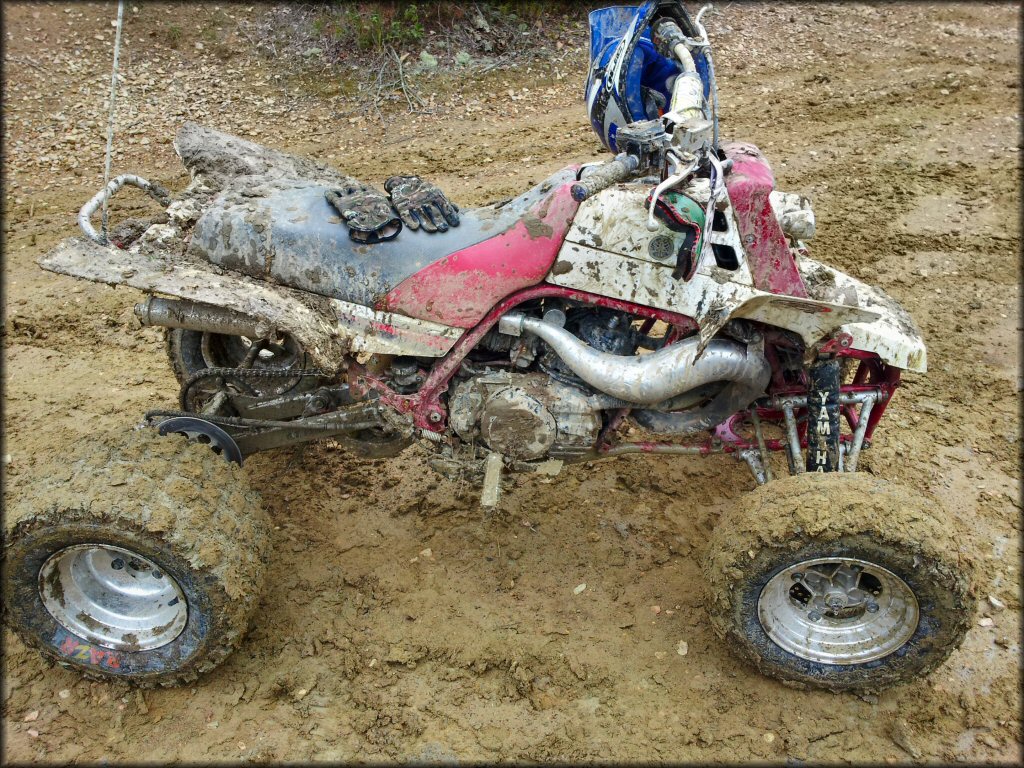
(893, 336)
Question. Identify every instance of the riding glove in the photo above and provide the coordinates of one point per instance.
(366, 211)
(420, 203)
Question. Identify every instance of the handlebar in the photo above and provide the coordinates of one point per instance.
(612, 172)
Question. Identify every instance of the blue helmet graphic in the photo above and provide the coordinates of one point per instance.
(628, 79)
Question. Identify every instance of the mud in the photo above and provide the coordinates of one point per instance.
(151, 496)
(399, 622)
(231, 162)
(898, 525)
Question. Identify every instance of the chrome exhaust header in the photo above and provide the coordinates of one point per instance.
(650, 379)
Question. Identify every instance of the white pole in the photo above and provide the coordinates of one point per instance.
(110, 121)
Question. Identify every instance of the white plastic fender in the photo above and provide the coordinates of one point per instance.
(327, 328)
(893, 336)
(609, 251)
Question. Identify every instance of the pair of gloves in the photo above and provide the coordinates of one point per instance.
(371, 218)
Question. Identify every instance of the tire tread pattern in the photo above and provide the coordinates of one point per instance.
(179, 496)
(852, 510)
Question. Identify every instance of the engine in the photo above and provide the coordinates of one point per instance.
(576, 363)
(601, 329)
(525, 416)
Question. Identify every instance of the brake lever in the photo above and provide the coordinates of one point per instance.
(702, 41)
(717, 184)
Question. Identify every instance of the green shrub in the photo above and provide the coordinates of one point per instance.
(376, 26)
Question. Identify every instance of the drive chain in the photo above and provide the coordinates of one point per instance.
(240, 374)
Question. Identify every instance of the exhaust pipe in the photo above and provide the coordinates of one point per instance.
(652, 379)
(171, 313)
(735, 396)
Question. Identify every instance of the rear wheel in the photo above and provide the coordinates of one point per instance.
(839, 581)
(141, 559)
(193, 351)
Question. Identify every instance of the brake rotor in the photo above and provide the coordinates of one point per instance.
(198, 430)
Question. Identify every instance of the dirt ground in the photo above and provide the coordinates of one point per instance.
(399, 622)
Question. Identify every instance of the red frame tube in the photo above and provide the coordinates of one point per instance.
(425, 405)
(429, 412)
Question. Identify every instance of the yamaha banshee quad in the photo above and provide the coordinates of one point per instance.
(661, 303)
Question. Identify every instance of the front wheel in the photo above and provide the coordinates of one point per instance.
(141, 559)
(839, 581)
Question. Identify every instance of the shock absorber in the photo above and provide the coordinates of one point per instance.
(823, 415)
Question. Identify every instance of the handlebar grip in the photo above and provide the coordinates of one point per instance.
(666, 35)
(619, 169)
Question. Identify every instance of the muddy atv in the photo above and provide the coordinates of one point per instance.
(143, 559)
(662, 303)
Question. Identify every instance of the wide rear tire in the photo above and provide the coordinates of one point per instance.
(839, 581)
(139, 558)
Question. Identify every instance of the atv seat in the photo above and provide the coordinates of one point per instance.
(291, 235)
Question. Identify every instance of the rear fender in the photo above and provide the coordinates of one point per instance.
(328, 329)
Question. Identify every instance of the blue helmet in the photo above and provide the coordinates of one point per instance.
(628, 79)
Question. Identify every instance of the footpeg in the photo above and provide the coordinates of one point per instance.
(492, 482)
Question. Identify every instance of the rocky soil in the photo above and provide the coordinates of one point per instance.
(400, 623)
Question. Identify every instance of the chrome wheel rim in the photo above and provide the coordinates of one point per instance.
(112, 597)
(838, 610)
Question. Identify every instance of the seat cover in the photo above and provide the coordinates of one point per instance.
(286, 231)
